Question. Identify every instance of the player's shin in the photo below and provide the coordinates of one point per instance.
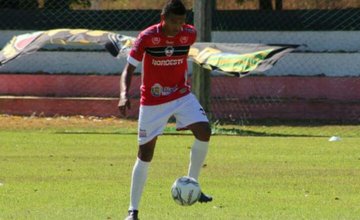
(197, 158)
(139, 176)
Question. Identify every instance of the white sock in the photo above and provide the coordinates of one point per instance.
(138, 179)
(197, 157)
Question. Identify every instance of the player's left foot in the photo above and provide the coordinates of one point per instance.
(205, 198)
(133, 215)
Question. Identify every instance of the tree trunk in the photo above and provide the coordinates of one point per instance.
(265, 5)
(279, 5)
(57, 4)
(19, 4)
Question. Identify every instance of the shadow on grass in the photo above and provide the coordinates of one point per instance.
(243, 132)
(96, 132)
(215, 132)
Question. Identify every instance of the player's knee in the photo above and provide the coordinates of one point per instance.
(145, 156)
(146, 151)
(204, 133)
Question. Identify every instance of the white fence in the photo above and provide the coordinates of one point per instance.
(330, 53)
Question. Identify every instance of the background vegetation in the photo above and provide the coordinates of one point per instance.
(150, 4)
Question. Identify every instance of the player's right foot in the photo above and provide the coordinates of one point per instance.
(133, 215)
(205, 198)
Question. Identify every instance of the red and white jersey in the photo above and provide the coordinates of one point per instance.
(164, 68)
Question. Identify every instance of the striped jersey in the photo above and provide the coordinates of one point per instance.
(164, 63)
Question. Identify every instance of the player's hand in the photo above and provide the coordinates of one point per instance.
(124, 104)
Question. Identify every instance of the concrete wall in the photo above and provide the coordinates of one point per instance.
(291, 98)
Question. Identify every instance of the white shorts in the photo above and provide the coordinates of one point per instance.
(153, 118)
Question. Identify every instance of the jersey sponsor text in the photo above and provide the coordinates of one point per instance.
(172, 62)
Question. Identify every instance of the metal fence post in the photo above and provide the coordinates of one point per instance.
(201, 81)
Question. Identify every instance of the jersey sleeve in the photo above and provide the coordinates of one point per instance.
(194, 35)
(137, 52)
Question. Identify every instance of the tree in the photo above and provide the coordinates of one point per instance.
(279, 4)
(28, 4)
(57, 4)
(265, 5)
(19, 4)
(9, 4)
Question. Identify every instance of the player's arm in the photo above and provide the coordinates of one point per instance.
(125, 82)
(133, 60)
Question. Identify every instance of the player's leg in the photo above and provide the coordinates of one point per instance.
(139, 176)
(152, 121)
(199, 149)
(190, 115)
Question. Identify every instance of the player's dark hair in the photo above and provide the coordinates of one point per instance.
(176, 7)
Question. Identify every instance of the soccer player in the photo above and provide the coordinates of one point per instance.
(163, 50)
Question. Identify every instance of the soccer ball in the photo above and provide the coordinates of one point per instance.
(185, 191)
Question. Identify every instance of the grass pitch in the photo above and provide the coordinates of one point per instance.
(80, 169)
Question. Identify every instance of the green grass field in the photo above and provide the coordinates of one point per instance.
(81, 170)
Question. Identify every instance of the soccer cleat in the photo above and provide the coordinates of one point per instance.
(133, 215)
(204, 198)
